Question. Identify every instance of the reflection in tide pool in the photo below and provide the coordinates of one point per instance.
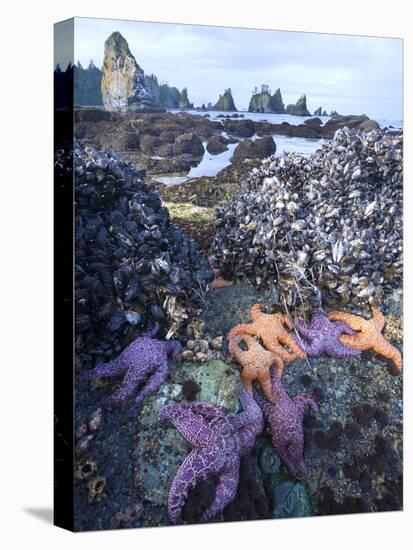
(211, 165)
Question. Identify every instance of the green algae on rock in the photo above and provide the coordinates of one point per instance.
(219, 383)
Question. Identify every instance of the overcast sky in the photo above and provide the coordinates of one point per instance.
(350, 74)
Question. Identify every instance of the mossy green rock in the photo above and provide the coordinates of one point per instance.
(158, 454)
(160, 448)
(291, 500)
(219, 383)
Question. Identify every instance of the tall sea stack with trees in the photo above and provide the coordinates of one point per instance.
(264, 102)
(225, 102)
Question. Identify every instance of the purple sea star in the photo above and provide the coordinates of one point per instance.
(144, 363)
(220, 439)
(286, 421)
(322, 336)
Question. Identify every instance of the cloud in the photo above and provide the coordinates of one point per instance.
(351, 74)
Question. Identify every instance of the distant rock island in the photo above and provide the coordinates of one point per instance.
(300, 108)
(225, 102)
(264, 102)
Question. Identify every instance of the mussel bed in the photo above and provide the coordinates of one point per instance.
(320, 230)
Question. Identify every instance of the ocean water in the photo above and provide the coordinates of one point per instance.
(278, 119)
(210, 165)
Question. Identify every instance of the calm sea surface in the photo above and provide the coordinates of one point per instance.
(210, 165)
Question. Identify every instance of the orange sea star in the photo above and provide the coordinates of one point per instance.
(256, 363)
(270, 328)
(369, 335)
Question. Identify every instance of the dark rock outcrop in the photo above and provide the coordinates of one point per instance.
(217, 144)
(362, 122)
(123, 83)
(300, 108)
(315, 122)
(188, 143)
(260, 148)
(240, 128)
(225, 102)
(318, 112)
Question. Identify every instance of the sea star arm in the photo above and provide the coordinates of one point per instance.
(343, 328)
(353, 321)
(379, 319)
(191, 425)
(154, 382)
(265, 406)
(256, 311)
(112, 368)
(357, 341)
(153, 331)
(242, 328)
(304, 400)
(278, 365)
(247, 378)
(390, 352)
(288, 340)
(264, 378)
(197, 465)
(205, 409)
(250, 413)
(136, 372)
(234, 348)
(304, 330)
(287, 321)
(225, 492)
(312, 348)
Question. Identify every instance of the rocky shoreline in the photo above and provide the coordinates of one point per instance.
(163, 144)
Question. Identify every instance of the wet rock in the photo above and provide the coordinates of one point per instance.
(188, 143)
(291, 501)
(259, 148)
(216, 145)
(219, 383)
(158, 454)
(240, 128)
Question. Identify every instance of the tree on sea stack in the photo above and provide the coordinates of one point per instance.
(123, 80)
(264, 102)
(225, 102)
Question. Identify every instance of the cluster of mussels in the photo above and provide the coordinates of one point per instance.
(324, 229)
(134, 268)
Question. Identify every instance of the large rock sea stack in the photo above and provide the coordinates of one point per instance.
(267, 103)
(300, 108)
(225, 102)
(123, 81)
